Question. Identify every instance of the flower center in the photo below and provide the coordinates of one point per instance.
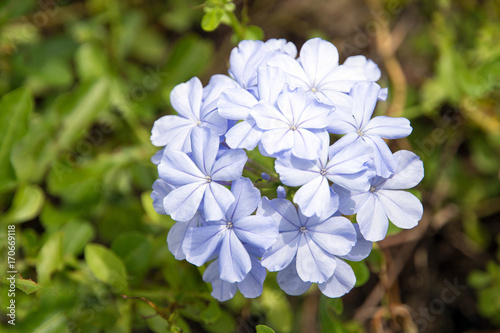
(313, 89)
(293, 128)
(198, 123)
(360, 132)
(372, 188)
(229, 225)
(322, 172)
(303, 229)
(208, 179)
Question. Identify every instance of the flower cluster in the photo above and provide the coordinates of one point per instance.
(289, 108)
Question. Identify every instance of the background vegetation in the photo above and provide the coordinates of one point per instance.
(82, 83)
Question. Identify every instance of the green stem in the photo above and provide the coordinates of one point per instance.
(237, 26)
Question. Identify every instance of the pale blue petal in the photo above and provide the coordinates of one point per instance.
(306, 144)
(215, 123)
(314, 197)
(282, 252)
(183, 202)
(318, 57)
(409, 173)
(229, 166)
(211, 93)
(350, 160)
(281, 192)
(372, 219)
(336, 235)
(342, 143)
(178, 232)
(156, 158)
(365, 95)
(388, 127)
(382, 94)
(282, 46)
(186, 99)
(342, 281)
(272, 81)
(372, 71)
(313, 263)
(351, 168)
(296, 75)
(205, 146)
(199, 243)
(252, 285)
(160, 190)
(247, 198)
(341, 100)
(342, 123)
(402, 208)
(296, 171)
(178, 169)
(282, 211)
(172, 131)
(277, 141)
(216, 201)
(291, 103)
(245, 135)
(236, 103)
(342, 78)
(234, 261)
(290, 282)
(244, 61)
(268, 117)
(362, 248)
(221, 290)
(349, 204)
(383, 159)
(257, 230)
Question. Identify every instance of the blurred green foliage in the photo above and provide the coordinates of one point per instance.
(82, 83)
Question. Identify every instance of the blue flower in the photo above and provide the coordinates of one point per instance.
(177, 233)
(236, 104)
(292, 124)
(340, 283)
(386, 199)
(160, 190)
(197, 107)
(251, 286)
(349, 167)
(318, 70)
(313, 241)
(227, 235)
(356, 124)
(250, 55)
(196, 177)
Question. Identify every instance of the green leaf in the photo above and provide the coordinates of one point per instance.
(49, 258)
(264, 329)
(361, 271)
(27, 204)
(106, 266)
(91, 62)
(254, 32)
(89, 100)
(211, 314)
(211, 19)
(76, 234)
(479, 279)
(27, 285)
(15, 110)
(278, 308)
(135, 250)
(190, 56)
